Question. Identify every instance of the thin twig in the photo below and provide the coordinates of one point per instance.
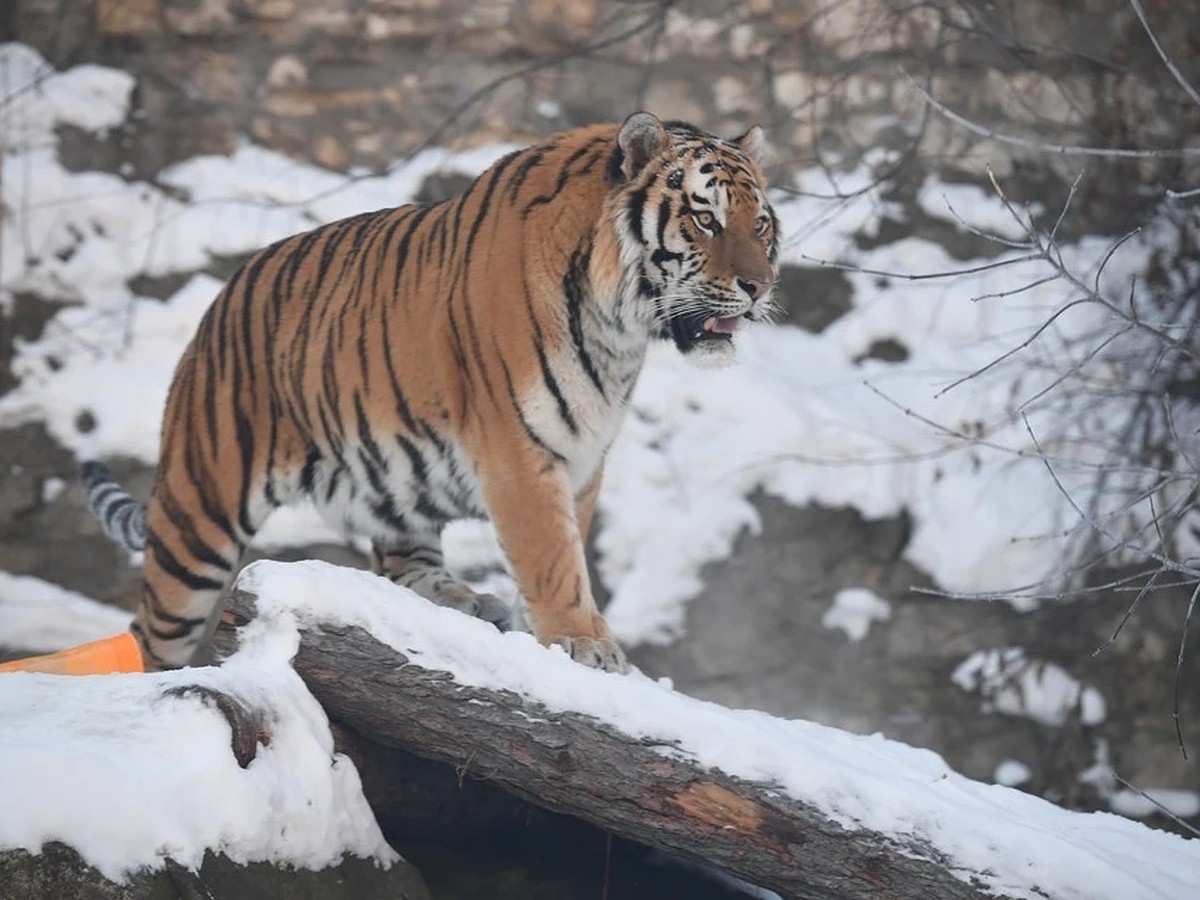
(1182, 823)
(1167, 61)
(924, 276)
(1045, 146)
(1187, 621)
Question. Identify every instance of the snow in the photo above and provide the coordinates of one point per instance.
(1131, 800)
(803, 417)
(1011, 773)
(853, 610)
(1139, 804)
(36, 615)
(1015, 685)
(158, 771)
(52, 488)
(125, 389)
(952, 201)
(36, 98)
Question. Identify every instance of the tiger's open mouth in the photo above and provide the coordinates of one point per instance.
(689, 331)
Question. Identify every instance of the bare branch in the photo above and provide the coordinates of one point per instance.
(1045, 146)
(1167, 61)
(924, 276)
(1187, 622)
(1182, 823)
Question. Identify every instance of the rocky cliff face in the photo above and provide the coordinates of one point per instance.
(362, 82)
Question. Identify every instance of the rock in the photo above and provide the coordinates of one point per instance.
(769, 648)
(407, 19)
(690, 33)
(442, 185)
(329, 152)
(269, 10)
(59, 873)
(170, 121)
(287, 72)
(198, 17)
(24, 319)
(218, 77)
(54, 537)
(734, 95)
(400, 25)
(812, 298)
(310, 103)
(678, 98)
(790, 90)
(746, 42)
(820, 78)
(551, 26)
(887, 350)
(127, 18)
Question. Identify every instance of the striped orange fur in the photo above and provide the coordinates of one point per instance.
(409, 366)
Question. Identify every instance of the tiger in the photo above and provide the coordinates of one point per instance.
(472, 357)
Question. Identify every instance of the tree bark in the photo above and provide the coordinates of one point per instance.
(574, 764)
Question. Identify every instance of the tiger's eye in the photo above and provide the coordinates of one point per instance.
(762, 225)
(675, 179)
(705, 219)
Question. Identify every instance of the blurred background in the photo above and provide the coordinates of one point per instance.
(1072, 122)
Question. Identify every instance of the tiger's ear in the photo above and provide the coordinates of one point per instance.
(641, 138)
(754, 144)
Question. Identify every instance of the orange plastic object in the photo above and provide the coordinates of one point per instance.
(119, 653)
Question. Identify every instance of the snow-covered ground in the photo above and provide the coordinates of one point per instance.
(802, 416)
(854, 609)
(39, 616)
(64, 768)
(1010, 683)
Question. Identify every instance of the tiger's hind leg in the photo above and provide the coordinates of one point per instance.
(192, 551)
(202, 515)
(415, 561)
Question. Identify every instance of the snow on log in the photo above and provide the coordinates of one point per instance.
(137, 772)
(805, 810)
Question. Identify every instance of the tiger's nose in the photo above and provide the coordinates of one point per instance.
(754, 287)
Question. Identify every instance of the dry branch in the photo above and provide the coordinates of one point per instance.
(247, 727)
(571, 763)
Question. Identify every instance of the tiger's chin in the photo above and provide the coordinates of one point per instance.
(705, 341)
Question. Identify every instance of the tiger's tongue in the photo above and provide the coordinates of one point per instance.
(723, 326)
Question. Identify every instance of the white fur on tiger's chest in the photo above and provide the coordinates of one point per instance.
(577, 411)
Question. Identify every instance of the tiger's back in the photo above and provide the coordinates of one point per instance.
(409, 366)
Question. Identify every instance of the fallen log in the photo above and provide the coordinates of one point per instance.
(572, 763)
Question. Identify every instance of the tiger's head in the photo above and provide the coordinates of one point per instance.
(696, 223)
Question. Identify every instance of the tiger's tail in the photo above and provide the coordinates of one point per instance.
(122, 518)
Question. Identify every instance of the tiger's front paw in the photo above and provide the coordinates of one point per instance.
(597, 653)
